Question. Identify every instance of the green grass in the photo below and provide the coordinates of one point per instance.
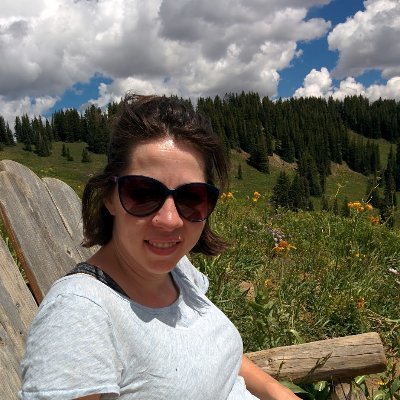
(74, 173)
(342, 183)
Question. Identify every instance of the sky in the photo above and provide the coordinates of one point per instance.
(57, 54)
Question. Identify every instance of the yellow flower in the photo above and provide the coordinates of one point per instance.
(374, 220)
(267, 283)
(226, 196)
(360, 302)
(360, 207)
(256, 196)
(283, 245)
(382, 382)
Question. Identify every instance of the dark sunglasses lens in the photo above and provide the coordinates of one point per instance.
(140, 196)
(196, 201)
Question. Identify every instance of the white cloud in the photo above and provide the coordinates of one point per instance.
(25, 105)
(369, 40)
(316, 84)
(389, 91)
(319, 84)
(189, 47)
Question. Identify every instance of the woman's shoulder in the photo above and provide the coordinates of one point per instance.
(187, 269)
(81, 288)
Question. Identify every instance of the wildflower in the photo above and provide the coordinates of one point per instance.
(283, 246)
(382, 382)
(360, 302)
(256, 196)
(267, 283)
(360, 207)
(277, 235)
(354, 204)
(227, 196)
(394, 271)
(374, 220)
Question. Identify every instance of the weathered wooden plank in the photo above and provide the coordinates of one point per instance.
(17, 310)
(69, 207)
(63, 197)
(330, 359)
(44, 248)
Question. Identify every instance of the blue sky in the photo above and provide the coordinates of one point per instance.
(316, 53)
(73, 53)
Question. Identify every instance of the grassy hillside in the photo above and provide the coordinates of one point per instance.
(75, 173)
(342, 183)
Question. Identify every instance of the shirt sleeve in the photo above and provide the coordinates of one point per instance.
(71, 352)
(193, 274)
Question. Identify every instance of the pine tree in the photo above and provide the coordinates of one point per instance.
(397, 171)
(324, 203)
(97, 130)
(26, 133)
(308, 169)
(280, 192)
(6, 136)
(68, 155)
(239, 172)
(259, 155)
(389, 202)
(85, 156)
(3, 131)
(18, 129)
(299, 193)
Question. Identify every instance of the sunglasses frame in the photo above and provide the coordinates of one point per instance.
(211, 189)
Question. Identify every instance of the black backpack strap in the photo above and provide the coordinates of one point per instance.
(99, 274)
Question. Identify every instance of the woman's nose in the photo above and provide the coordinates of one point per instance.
(167, 217)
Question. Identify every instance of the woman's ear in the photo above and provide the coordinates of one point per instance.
(109, 203)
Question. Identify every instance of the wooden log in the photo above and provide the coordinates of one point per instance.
(330, 359)
(17, 310)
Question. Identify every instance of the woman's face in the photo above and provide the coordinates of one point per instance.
(155, 243)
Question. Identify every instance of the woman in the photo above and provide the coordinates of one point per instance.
(133, 322)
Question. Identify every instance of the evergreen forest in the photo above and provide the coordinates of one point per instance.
(311, 132)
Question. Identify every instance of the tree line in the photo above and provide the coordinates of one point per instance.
(312, 132)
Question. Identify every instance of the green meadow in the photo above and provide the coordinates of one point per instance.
(329, 276)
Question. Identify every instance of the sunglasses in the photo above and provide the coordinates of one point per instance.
(141, 196)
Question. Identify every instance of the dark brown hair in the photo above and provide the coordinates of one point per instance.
(138, 120)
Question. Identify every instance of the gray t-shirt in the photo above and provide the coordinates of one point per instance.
(88, 338)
